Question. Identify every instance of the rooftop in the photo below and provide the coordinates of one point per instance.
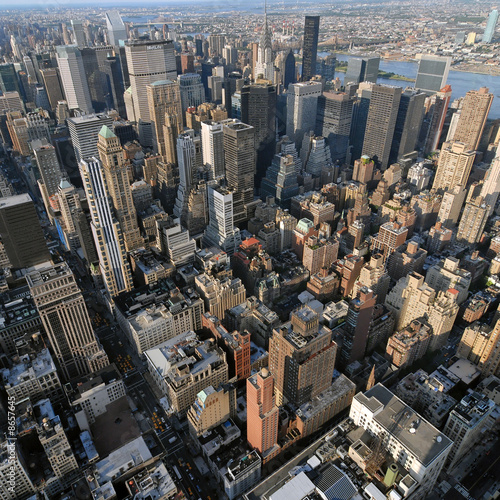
(28, 368)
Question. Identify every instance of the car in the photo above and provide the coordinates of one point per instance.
(191, 476)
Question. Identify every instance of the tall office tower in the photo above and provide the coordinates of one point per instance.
(112, 75)
(436, 107)
(362, 69)
(302, 105)
(451, 206)
(84, 131)
(333, 122)
(454, 166)
(49, 168)
(262, 414)
(189, 163)
(356, 326)
(465, 425)
(310, 47)
(50, 80)
(212, 146)
(280, 181)
(446, 274)
(216, 44)
(221, 230)
(381, 122)
(264, 67)
(15, 471)
(360, 110)
(171, 130)
(491, 185)
(69, 206)
(192, 90)
(66, 320)
(30, 69)
(473, 221)
(116, 28)
(475, 108)
(288, 69)
(315, 155)
(16, 48)
(115, 170)
(301, 357)
(489, 32)
(199, 46)
(258, 109)
(164, 101)
(73, 79)
(78, 33)
(8, 78)
(432, 73)
(106, 230)
(239, 158)
(148, 62)
(93, 61)
(22, 236)
(408, 123)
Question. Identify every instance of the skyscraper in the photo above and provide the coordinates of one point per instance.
(212, 142)
(362, 69)
(454, 166)
(192, 90)
(302, 105)
(74, 81)
(78, 33)
(281, 180)
(49, 168)
(333, 122)
(239, 157)
(310, 47)
(116, 172)
(164, 99)
(262, 413)
(108, 238)
(432, 73)
(52, 86)
(436, 107)
(381, 122)
(21, 233)
(473, 115)
(264, 67)
(66, 320)
(148, 62)
(116, 28)
(473, 221)
(491, 185)
(301, 357)
(84, 131)
(489, 32)
(258, 109)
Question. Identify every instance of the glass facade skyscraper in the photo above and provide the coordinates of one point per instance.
(310, 47)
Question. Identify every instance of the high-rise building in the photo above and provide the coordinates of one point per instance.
(473, 221)
(489, 31)
(191, 89)
(356, 327)
(281, 180)
(116, 28)
(118, 187)
(362, 69)
(8, 79)
(216, 44)
(432, 73)
(491, 185)
(52, 86)
(73, 78)
(22, 236)
(446, 275)
(408, 345)
(310, 47)
(381, 122)
(212, 145)
(221, 230)
(333, 122)
(66, 320)
(262, 414)
(264, 66)
(49, 168)
(108, 237)
(465, 424)
(84, 131)
(301, 357)
(164, 100)
(473, 115)
(78, 33)
(239, 158)
(148, 62)
(302, 105)
(454, 166)
(258, 109)
(408, 123)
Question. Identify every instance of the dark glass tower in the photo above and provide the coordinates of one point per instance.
(362, 69)
(258, 109)
(289, 73)
(310, 47)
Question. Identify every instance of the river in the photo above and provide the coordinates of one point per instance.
(460, 81)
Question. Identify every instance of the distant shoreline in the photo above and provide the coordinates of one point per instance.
(382, 74)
